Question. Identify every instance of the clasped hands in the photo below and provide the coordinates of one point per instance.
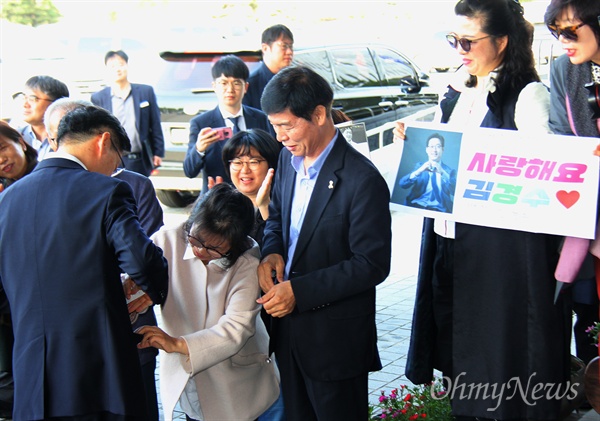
(278, 299)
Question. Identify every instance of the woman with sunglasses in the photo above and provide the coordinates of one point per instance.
(216, 363)
(485, 314)
(574, 111)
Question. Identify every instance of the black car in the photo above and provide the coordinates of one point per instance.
(374, 84)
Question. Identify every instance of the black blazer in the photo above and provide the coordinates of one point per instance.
(211, 164)
(343, 252)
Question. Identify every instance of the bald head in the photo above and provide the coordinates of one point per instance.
(55, 112)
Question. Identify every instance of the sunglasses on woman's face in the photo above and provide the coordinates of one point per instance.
(464, 43)
(568, 32)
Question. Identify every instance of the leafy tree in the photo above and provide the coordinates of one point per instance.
(30, 12)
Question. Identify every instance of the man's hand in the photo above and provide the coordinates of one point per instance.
(272, 265)
(280, 300)
(206, 137)
(140, 304)
(157, 161)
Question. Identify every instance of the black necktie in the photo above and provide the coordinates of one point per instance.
(234, 120)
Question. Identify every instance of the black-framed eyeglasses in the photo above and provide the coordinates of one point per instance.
(32, 99)
(237, 164)
(119, 153)
(568, 32)
(464, 43)
(211, 251)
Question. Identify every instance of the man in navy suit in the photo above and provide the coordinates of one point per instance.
(67, 231)
(136, 108)
(432, 182)
(277, 53)
(327, 244)
(150, 214)
(229, 74)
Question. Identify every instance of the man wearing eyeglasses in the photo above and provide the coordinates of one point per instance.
(135, 106)
(207, 137)
(432, 182)
(39, 93)
(277, 53)
(75, 352)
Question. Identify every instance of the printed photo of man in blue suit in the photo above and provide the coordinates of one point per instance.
(432, 182)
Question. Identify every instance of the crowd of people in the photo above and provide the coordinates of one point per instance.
(268, 290)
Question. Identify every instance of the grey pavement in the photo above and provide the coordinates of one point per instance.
(395, 300)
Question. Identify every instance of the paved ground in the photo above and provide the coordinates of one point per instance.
(395, 299)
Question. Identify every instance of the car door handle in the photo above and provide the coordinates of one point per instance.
(401, 103)
(386, 104)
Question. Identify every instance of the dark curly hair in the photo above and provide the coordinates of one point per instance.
(505, 18)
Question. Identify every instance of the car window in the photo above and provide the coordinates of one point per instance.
(317, 61)
(354, 68)
(191, 74)
(397, 70)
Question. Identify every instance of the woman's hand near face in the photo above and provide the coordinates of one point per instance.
(263, 196)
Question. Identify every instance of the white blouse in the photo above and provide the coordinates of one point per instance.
(531, 115)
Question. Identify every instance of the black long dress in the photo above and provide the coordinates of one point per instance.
(485, 313)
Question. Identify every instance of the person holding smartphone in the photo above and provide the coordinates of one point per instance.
(211, 129)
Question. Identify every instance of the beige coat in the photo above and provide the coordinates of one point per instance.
(215, 311)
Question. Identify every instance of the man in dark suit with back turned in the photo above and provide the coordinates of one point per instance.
(230, 74)
(136, 108)
(328, 243)
(67, 231)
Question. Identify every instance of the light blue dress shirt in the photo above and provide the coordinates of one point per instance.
(305, 184)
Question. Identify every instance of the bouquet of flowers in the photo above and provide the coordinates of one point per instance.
(423, 402)
(593, 331)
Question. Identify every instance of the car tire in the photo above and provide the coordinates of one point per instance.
(176, 198)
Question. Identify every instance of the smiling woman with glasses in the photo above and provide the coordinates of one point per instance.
(216, 363)
(465, 269)
(250, 159)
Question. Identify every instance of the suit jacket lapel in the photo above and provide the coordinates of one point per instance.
(321, 195)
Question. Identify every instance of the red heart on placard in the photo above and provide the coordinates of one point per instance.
(567, 199)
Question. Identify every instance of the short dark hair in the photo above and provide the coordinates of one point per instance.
(227, 213)
(54, 88)
(587, 11)
(241, 143)
(230, 66)
(78, 125)
(298, 89)
(436, 136)
(273, 33)
(119, 53)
